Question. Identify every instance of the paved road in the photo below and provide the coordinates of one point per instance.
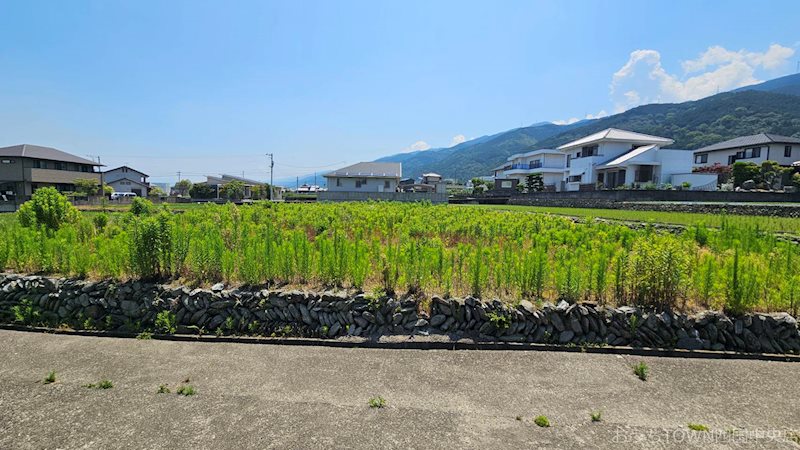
(266, 396)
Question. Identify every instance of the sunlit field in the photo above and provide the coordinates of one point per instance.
(421, 249)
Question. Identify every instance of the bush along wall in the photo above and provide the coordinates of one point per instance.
(137, 306)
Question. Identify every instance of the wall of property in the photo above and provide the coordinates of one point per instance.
(343, 196)
(133, 306)
(374, 184)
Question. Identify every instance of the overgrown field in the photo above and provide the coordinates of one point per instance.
(758, 223)
(423, 249)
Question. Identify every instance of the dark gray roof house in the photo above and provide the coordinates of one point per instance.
(756, 148)
(369, 170)
(25, 168)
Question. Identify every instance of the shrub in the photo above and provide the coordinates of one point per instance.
(596, 416)
(100, 221)
(151, 246)
(743, 171)
(657, 268)
(102, 384)
(142, 206)
(48, 208)
(542, 421)
(186, 390)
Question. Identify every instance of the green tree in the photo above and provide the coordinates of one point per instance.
(142, 206)
(86, 186)
(108, 190)
(183, 187)
(202, 191)
(48, 208)
(743, 171)
(234, 190)
(155, 191)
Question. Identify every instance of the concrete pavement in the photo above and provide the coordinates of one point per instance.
(269, 396)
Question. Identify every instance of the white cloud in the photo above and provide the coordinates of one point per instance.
(417, 146)
(644, 80)
(571, 120)
(458, 139)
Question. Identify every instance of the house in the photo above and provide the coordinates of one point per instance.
(126, 179)
(547, 162)
(612, 158)
(757, 148)
(219, 182)
(431, 178)
(25, 168)
(365, 177)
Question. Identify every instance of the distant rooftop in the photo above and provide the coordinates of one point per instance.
(614, 134)
(746, 141)
(369, 169)
(39, 152)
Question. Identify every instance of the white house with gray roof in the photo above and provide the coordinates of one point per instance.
(126, 179)
(365, 177)
(613, 158)
(547, 162)
(757, 148)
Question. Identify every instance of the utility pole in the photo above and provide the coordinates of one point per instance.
(271, 165)
(102, 178)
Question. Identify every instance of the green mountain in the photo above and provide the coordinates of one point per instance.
(790, 84)
(691, 124)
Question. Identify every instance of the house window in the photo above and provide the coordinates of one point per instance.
(787, 151)
(361, 182)
(386, 184)
(8, 161)
(339, 182)
(37, 164)
(589, 150)
(574, 179)
(754, 152)
(701, 159)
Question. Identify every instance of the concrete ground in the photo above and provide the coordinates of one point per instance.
(271, 396)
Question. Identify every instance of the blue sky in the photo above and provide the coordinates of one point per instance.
(210, 87)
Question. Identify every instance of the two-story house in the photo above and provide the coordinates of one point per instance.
(126, 179)
(757, 148)
(25, 168)
(549, 163)
(365, 177)
(613, 157)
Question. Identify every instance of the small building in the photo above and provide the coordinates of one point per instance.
(365, 177)
(757, 148)
(25, 168)
(547, 162)
(431, 178)
(126, 179)
(218, 183)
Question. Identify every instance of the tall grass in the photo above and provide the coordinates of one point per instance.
(423, 249)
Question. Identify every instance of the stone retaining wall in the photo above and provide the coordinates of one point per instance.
(134, 306)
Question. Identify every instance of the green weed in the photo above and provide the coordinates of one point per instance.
(641, 370)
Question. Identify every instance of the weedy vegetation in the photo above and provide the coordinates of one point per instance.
(50, 378)
(377, 402)
(163, 389)
(596, 416)
(542, 421)
(697, 427)
(102, 384)
(641, 370)
(186, 390)
(420, 248)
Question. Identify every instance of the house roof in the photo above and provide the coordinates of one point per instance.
(746, 141)
(48, 153)
(431, 174)
(621, 159)
(127, 167)
(369, 170)
(128, 179)
(614, 134)
(225, 179)
(541, 151)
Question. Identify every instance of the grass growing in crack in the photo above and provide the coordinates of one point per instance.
(144, 336)
(641, 370)
(163, 389)
(50, 378)
(793, 436)
(377, 402)
(102, 384)
(542, 421)
(186, 390)
(597, 416)
(697, 427)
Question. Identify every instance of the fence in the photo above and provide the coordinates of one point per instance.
(339, 196)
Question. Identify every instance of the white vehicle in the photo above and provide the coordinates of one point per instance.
(121, 195)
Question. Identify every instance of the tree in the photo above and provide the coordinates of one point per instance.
(202, 191)
(108, 190)
(743, 171)
(234, 190)
(86, 186)
(183, 187)
(49, 208)
(155, 191)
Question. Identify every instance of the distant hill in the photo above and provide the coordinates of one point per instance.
(789, 85)
(772, 106)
